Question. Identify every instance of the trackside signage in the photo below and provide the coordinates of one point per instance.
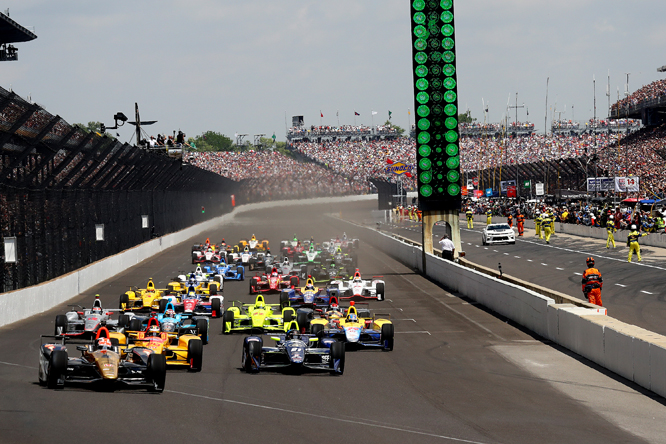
(399, 168)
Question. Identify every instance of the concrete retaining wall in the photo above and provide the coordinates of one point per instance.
(20, 304)
(631, 352)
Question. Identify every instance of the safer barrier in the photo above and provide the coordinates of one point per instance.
(632, 352)
(20, 304)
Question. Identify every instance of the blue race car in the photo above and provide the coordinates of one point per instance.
(232, 272)
(172, 322)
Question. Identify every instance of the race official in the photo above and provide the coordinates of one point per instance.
(546, 221)
(520, 221)
(470, 217)
(489, 216)
(537, 225)
(447, 247)
(592, 283)
(610, 228)
(632, 243)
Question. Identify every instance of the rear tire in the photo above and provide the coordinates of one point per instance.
(57, 369)
(387, 337)
(380, 291)
(253, 351)
(202, 330)
(135, 325)
(123, 321)
(216, 308)
(303, 321)
(227, 318)
(317, 329)
(124, 301)
(195, 355)
(284, 299)
(157, 372)
(212, 289)
(163, 304)
(288, 317)
(337, 353)
(60, 325)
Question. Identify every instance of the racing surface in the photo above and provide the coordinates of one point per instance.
(634, 293)
(457, 373)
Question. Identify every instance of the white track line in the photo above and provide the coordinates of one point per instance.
(646, 292)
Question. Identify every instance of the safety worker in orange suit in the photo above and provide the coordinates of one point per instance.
(520, 220)
(632, 243)
(470, 217)
(509, 220)
(610, 228)
(546, 220)
(592, 283)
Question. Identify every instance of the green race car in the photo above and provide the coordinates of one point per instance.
(258, 317)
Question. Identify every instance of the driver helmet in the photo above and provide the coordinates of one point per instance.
(309, 286)
(344, 236)
(291, 334)
(104, 343)
(97, 309)
(170, 313)
(352, 317)
(590, 261)
(154, 330)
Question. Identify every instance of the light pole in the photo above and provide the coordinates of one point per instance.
(516, 126)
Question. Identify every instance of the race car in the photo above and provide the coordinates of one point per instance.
(172, 322)
(209, 255)
(358, 288)
(201, 279)
(88, 321)
(275, 282)
(102, 362)
(308, 296)
(179, 350)
(206, 245)
(142, 299)
(326, 272)
(355, 327)
(199, 304)
(234, 272)
(258, 316)
(254, 244)
(293, 351)
(261, 261)
(498, 233)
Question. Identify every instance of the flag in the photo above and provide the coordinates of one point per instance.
(409, 113)
(273, 136)
(320, 113)
(356, 114)
(374, 112)
(390, 115)
(337, 113)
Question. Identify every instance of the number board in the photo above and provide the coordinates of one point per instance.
(436, 105)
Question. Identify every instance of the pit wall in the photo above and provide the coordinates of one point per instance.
(653, 240)
(632, 352)
(21, 304)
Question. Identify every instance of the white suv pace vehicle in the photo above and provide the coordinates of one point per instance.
(498, 233)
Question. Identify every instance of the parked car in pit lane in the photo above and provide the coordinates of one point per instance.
(498, 233)
(293, 351)
(87, 321)
(102, 362)
(357, 287)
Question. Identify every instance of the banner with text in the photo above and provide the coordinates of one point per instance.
(600, 184)
(504, 185)
(627, 184)
(539, 189)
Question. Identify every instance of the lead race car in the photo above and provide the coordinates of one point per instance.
(357, 287)
(101, 362)
(293, 350)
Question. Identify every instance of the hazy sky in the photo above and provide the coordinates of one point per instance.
(238, 66)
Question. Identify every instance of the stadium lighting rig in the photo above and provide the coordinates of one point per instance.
(662, 69)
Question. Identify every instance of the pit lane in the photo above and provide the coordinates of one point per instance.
(457, 373)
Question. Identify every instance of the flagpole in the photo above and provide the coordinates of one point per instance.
(321, 115)
(372, 118)
(354, 118)
(337, 113)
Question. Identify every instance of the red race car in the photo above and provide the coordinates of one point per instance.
(275, 282)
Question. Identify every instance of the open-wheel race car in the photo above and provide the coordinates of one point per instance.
(142, 299)
(273, 283)
(87, 321)
(102, 362)
(254, 244)
(356, 327)
(357, 287)
(259, 316)
(293, 351)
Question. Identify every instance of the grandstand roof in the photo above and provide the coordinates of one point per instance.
(12, 32)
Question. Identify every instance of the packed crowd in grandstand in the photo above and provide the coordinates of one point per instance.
(343, 130)
(645, 93)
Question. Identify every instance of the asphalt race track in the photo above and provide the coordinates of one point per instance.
(458, 374)
(634, 293)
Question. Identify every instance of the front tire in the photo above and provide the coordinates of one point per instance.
(157, 372)
(57, 369)
(60, 325)
(195, 355)
(252, 352)
(227, 322)
(337, 356)
(202, 330)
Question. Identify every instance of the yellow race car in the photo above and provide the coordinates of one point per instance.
(254, 244)
(142, 299)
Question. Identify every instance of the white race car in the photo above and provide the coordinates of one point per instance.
(498, 233)
(358, 288)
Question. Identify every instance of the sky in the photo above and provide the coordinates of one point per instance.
(242, 66)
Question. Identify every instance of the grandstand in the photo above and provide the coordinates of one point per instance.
(11, 32)
(321, 134)
(647, 104)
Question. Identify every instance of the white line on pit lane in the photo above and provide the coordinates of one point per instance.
(517, 257)
(579, 274)
(530, 260)
(646, 292)
(558, 268)
(405, 319)
(422, 331)
(621, 285)
(545, 265)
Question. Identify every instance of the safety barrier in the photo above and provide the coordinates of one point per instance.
(20, 304)
(632, 352)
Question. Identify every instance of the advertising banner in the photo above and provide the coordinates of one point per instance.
(478, 193)
(539, 189)
(600, 184)
(504, 185)
(470, 184)
(489, 192)
(511, 191)
(463, 191)
(627, 184)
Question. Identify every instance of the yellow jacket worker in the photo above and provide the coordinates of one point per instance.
(632, 243)
(610, 228)
(489, 216)
(537, 225)
(546, 221)
(470, 218)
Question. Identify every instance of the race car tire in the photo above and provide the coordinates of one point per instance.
(303, 321)
(253, 350)
(337, 352)
(387, 337)
(195, 355)
(288, 317)
(216, 308)
(163, 305)
(227, 318)
(157, 368)
(380, 292)
(57, 369)
(293, 281)
(135, 325)
(123, 321)
(194, 258)
(242, 274)
(265, 245)
(60, 325)
(212, 289)
(284, 299)
(354, 260)
(202, 329)
(356, 243)
(317, 330)
(252, 265)
(253, 286)
(124, 300)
